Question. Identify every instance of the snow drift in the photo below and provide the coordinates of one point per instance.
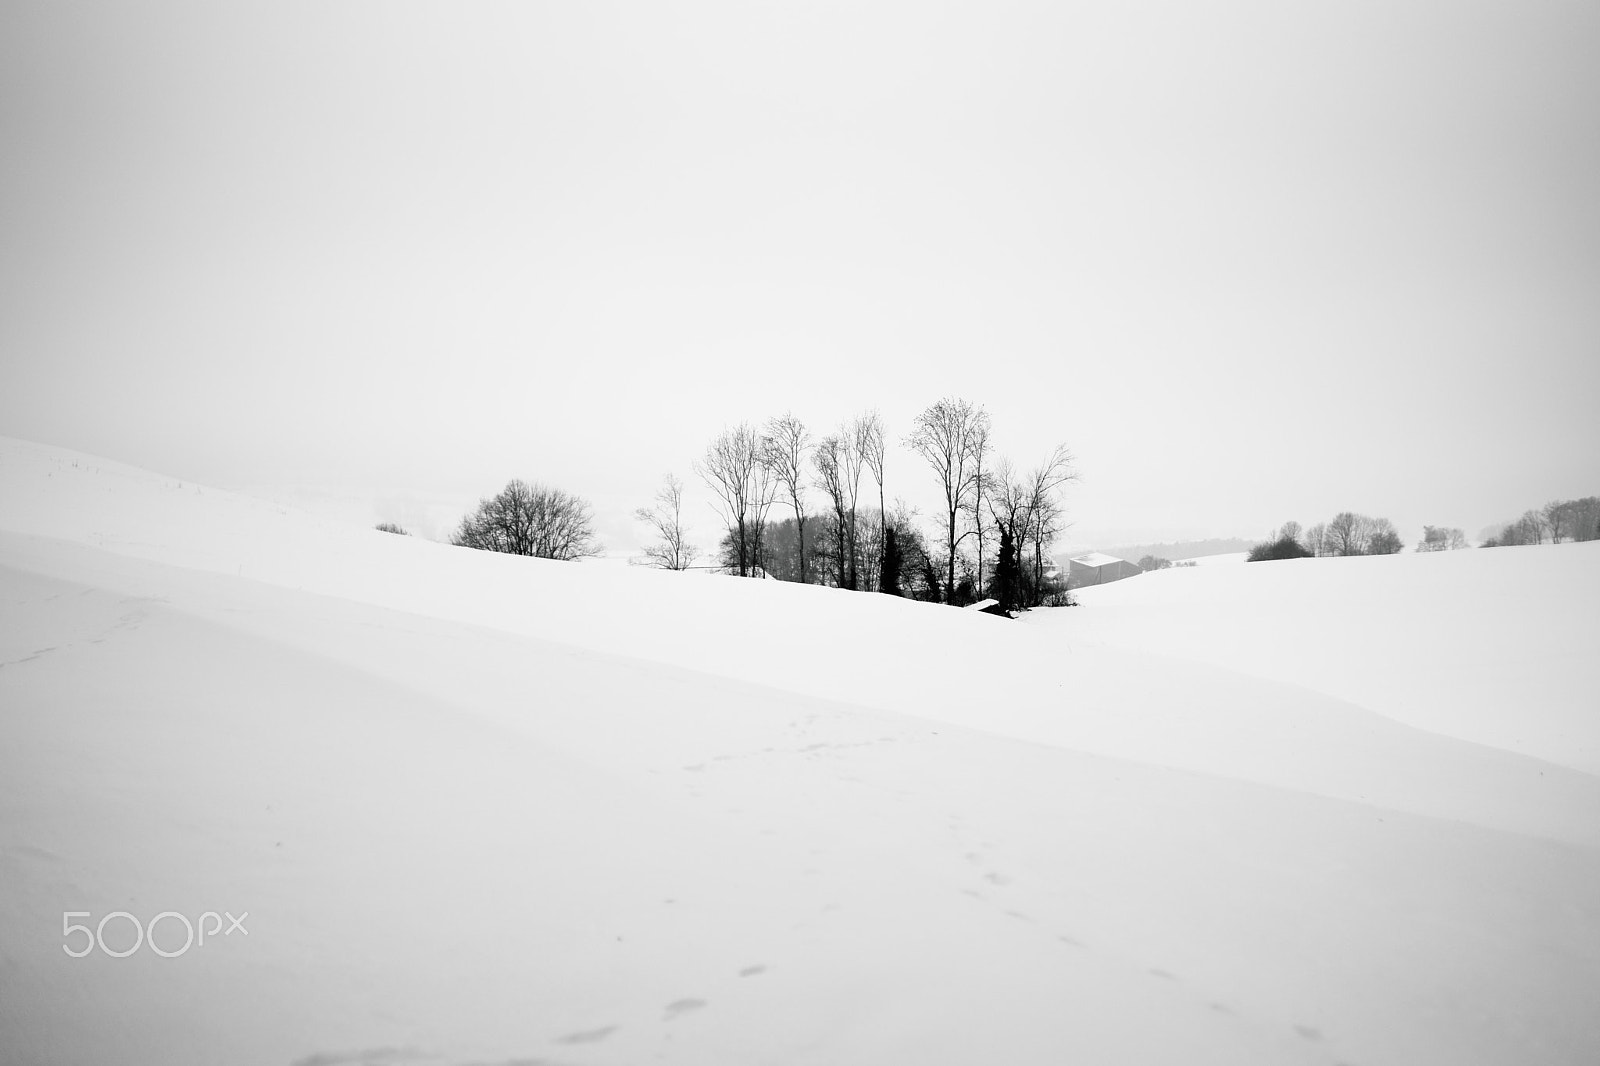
(492, 810)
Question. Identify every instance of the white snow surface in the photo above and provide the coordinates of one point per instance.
(492, 810)
(1496, 646)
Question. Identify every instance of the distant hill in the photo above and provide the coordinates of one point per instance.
(1183, 549)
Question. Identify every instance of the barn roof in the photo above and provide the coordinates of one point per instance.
(1096, 559)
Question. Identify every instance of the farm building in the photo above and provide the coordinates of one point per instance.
(1097, 569)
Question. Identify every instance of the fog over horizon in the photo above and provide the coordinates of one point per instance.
(1249, 264)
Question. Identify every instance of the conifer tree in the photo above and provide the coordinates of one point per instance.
(1006, 572)
(892, 562)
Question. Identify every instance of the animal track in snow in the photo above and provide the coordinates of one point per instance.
(679, 1007)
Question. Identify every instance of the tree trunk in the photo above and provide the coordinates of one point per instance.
(800, 531)
(950, 575)
(883, 533)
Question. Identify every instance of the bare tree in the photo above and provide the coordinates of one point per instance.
(732, 469)
(869, 434)
(982, 485)
(534, 520)
(1383, 538)
(828, 457)
(1046, 480)
(852, 462)
(1289, 531)
(765, 490)
(783, 452)
(1347, 534)
(1011, 504)
(671, 550)
(1010, 500)
(1583, 518)
(1533, 526)
(1316, 539)
(943, 436)
(1556, 516)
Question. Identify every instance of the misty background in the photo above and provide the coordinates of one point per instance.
(1250, 262)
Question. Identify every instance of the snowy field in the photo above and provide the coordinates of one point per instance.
(491, 810)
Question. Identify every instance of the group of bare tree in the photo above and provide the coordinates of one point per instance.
(1556, 521)
(1348, 533)
(534, 520)
(1441, 538)
(891, 553)
(954, 437)
(749, 468)
(846, 542)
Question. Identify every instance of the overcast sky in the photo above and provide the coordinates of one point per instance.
(1248, 261)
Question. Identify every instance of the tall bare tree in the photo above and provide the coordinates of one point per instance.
(829, 459)
(764, 487)
(536, 520)
(943, 435)
(671, 550)
(1556, 517)
(732, 469)
(869, 430)
(1316, 539)
(1044, 507)
(783, 450)
(982, 485)
(1011, 504)
(852, 462)
(1533, 526)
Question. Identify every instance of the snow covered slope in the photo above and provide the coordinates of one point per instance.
(494, 810)
(1494, 646)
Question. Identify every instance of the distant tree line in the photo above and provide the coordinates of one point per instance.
(1346, 534)
(1556, 521)
(995, 526)
(1355, 534)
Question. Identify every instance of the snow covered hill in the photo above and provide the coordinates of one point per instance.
(1493, 646)
(491, 810)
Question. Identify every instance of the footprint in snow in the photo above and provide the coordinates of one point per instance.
(587, 1036)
